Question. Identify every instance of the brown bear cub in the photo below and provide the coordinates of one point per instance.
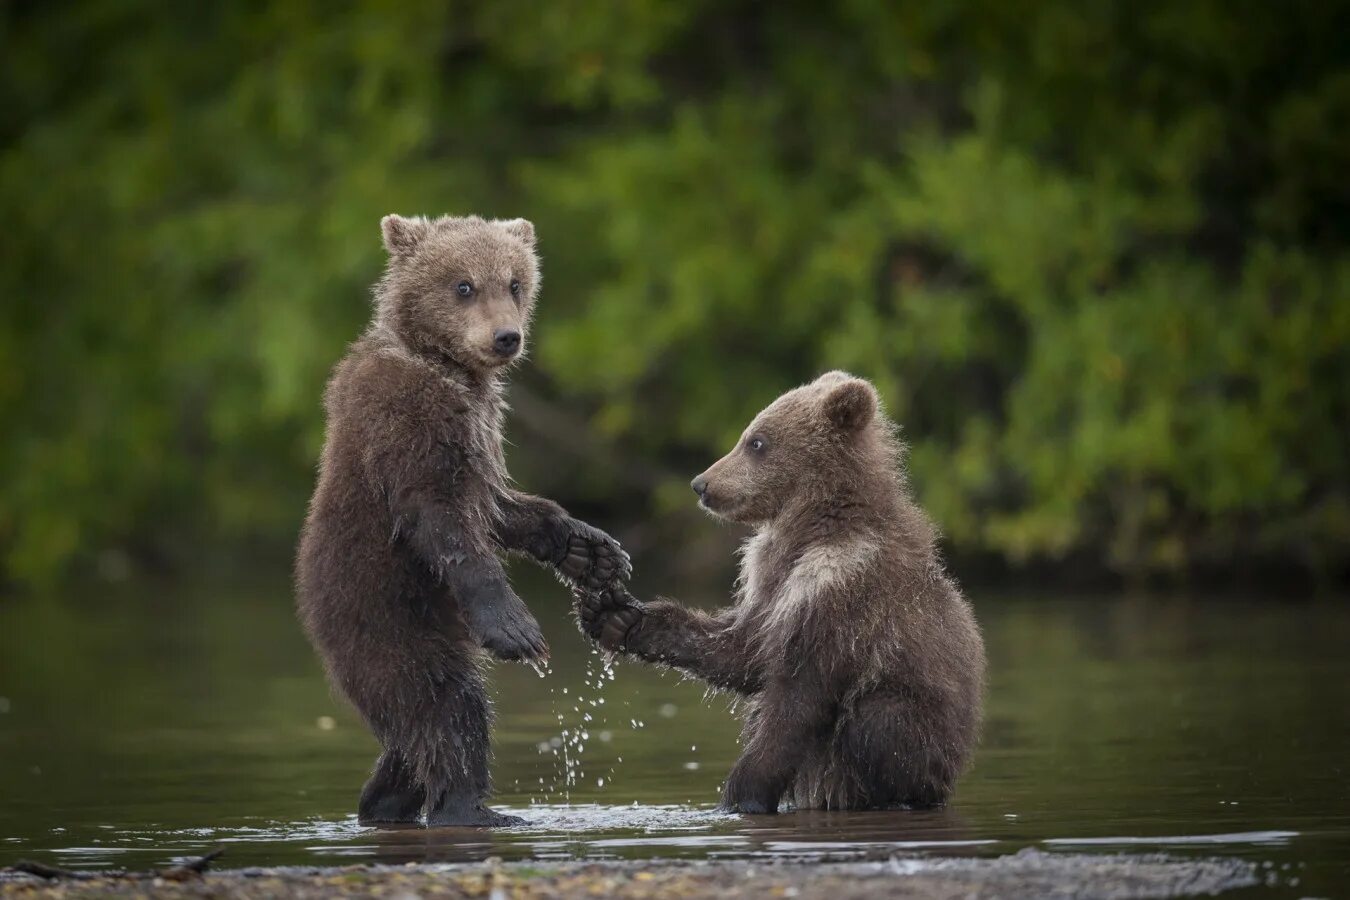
(399, 580)
(861, 663)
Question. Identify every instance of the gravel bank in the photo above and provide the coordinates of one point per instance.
(1027, 874)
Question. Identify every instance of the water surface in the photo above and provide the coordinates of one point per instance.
(151, 721)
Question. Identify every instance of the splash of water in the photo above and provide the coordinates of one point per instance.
(568, 746)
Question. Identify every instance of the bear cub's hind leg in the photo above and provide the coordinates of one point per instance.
(391, 796)
(459, 781)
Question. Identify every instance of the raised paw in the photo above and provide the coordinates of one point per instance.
(511, 644)
(510, 634)
(616, 627)
(608, 616)
(592, 559)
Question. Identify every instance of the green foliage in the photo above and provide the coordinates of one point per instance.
(1094, 255)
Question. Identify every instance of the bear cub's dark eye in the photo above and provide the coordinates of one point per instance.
(464, 288)
(515, 288)
(755, 444)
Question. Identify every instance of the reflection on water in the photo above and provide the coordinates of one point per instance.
(1247, 837)
(158, 721)
(582, 830)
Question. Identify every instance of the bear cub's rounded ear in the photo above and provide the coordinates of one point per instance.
(850, 403)
(521, 228)
(401, 236)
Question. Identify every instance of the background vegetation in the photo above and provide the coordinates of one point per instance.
(1094, 255)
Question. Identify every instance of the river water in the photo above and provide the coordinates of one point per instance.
(152, 721)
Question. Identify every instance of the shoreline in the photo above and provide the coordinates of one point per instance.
(1026, 874)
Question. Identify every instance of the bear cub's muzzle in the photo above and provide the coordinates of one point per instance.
(506, 342)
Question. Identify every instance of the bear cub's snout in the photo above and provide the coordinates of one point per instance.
(506, 342)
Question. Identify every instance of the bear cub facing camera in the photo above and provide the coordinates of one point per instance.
(399, 581)
(861, 664)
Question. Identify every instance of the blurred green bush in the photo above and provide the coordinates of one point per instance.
(1094, 254)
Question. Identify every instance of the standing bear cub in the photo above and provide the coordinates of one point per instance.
(860, 661)
(399, 581)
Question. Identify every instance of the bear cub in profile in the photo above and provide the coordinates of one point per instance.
(861, 664)
(399, 578)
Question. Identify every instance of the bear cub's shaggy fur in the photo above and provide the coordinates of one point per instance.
(398, 578)
(861, 663)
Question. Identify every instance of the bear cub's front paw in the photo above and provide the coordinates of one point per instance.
(590, 559)
(509, 632)
(609, 616)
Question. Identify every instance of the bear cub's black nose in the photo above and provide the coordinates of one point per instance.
(505, 341)
(700, 485)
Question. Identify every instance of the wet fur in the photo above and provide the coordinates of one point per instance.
(860, 662)
(399, 581)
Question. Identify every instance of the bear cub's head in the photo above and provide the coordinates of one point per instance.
(808, 441)
(460, 287)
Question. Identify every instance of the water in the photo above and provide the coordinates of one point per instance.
(153, 721)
